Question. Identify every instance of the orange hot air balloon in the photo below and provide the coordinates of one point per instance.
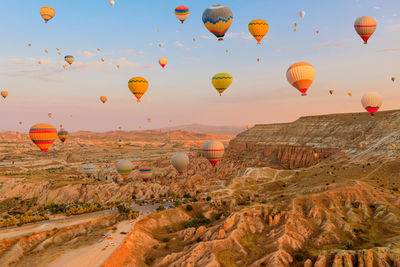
(361, 145)
(47, 13)
(163, 61)
(393, 79)
(39, 62)
(4, 94)
(315, 155)
(350, 94)
(258, 28)
(103, 99)
(59, 53)
(213, 151)
(394, 146)
(20, 123)
(331, 92)
(46, 51)
(50, 115)
(301, 75)
(98, 49)
(118, 66)
(58, 49)
(43, 135)
(294, 30)
(138, 86)
(102, 59)
(365, 26)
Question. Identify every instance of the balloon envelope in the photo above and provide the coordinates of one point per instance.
(4, 94)
(301, 75)
(258, 28)
(218, 19)
(302, 14)
(124, 168)
(146, 173)
(213, 151)
(103, 99)
(163, 61)
(365, 26)
(62, 135)
(180, 161)
(182, 13)
(138, 86)
(69, 59)
(371, 101)
(43, 135)
(221, 81)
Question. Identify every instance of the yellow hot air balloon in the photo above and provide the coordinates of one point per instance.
(43, 135)
(69, 59)
(138, 86)
(47, 13)
(258, 28)
(118, 66)
(301, 75)
(218, 20)
(163, 61)
(213, 151)
(46, 51)
(248, 126)
(4, 94)
(350, 94)
(365, 26)
(103, 99)
(221, 81)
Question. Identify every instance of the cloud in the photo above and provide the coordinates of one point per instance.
(87, 54)
(388, 50)
(150, 44)
(327, 45)
(393, 27)
(179, 44)
(239, 35)
(17, 61)
(126, 63)
(85, 65)
(127, 51)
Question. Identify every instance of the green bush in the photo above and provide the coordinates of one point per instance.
(298, 257)
(189, 207)
(349, 244)
(208, 198)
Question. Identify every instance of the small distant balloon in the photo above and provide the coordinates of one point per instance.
(29, 44)
(103, 99)
(118, 66)
(58, 49)
(149, 120)
(350, 94)
(4, 94)
(39, 62)
(294, 30)
(59, 53)
(331, 92)
(163, 61)
(50, 115)
(46, 51)
(393, 79)
(98, 49)
(69, 59)
(258, 60)
(295, 24)
(302, 14)
(317, 31)
(102, 60)
(111, 2)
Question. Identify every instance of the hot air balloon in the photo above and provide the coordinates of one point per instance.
(138, 86)
(62, 135)
(213, 151)
(331, 92)
(47, 13)
(4, 94)
(365, 26)
(69, 59)
(58, 49)
(146, 173)
(149, 120)
(20, 123)
(50, 115)
(111, 2)
(59, 53)
(124, 168)
(43, 135)
(221, 81)
(89, 169)
(361, 145)
(163, 61)
(182, 13)
(393, 79)
(295, 24)
(180, 161)
(160, 44)
(248, 126)
(350, 94)
(39, 62)
(371, 101)
(218, 20)
(294, 30)
(315, 155)
(102, 60)
(29, 45)
(46, 51)
(98, 49)
(119, 142)
(226, 50)
(258, 28)
(170, 121)
(317, 31)
(394, 146)
(302, 14)
(70, 115)
(103, 99)
(301, 75)
(118, 66)
(258, 60)
(194, 39)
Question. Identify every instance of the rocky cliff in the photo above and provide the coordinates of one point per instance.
(308, 140)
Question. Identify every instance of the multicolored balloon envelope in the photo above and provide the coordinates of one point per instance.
(221, 81)
(258, 28)
(180, 161)
(146, 173)
(124, 168)
(63, 135)
(182, 13)
(218, 19)
(43, 135)
(213, 151)
(47, 13)
(119, 142)
(365, 26)
(138, 86)
(69, 59)
(371, 101)
(301, 75)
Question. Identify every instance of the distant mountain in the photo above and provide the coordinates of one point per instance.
(199, 128)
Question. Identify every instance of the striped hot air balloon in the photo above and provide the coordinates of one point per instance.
(43, 135)
(63, 135)
(371, 101)
(138, 87)
(124, 168)
(258, 28)
(213, 151)
(221, 81)
(182, 13)
(301, 75)
(146, 173)
(365, 26)
(218, 19)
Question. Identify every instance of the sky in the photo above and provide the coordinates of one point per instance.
(129, 33)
